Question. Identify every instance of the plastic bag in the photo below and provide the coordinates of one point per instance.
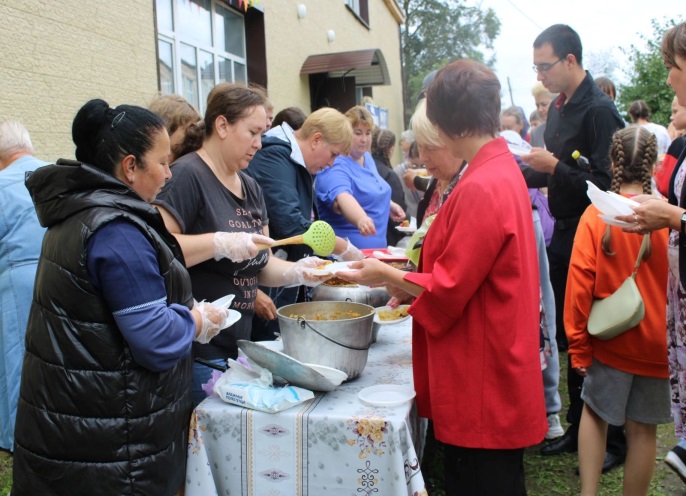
(248, 385)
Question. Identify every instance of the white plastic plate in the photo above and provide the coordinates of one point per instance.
(334, 375)
(386, 395)
(395, 321)
(234, 316)
(339, 267)
(610, 203)
(224, 301)
(611, 220)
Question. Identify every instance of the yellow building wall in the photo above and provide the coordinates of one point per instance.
(56, 55)
(290, 40)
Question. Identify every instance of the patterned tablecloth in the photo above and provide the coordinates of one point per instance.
(331, 445)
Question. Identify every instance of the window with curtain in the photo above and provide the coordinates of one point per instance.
(201, 43)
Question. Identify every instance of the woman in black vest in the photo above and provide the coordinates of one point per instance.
(105, 397)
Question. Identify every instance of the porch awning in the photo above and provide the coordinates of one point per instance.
(367, 66)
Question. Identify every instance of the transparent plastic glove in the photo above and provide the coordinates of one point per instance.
(351, 254)
(238, 246)
(213, 319)
(301, 273)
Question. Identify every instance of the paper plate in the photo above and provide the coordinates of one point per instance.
(611, 220)
(407, 230)
(387, 308)
(386, 395)
(339, 267)
(286, 367)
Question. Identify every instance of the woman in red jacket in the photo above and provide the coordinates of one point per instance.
(627, 377)
(475, 336)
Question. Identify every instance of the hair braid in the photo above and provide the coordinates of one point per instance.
(617, 154)
(649, 154)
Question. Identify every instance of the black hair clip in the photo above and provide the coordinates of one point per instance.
(117, 119)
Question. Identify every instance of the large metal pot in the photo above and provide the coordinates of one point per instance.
(374, 297)
(342, 343)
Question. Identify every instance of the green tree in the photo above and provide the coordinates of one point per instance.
(647, 77)
(437, 32)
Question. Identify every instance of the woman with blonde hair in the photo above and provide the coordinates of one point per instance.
(626, 377)
(352, 196)
(285, 168)
(443, 167)
(219, 216)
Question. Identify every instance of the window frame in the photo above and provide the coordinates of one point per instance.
(216, 49)
(360, 9)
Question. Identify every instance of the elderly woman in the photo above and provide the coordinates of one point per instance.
(439, 162)
(352, 196)
(285, 168)
(20, 237)
(476, 362)
(655, 214)
(105, 389)
(218, 214)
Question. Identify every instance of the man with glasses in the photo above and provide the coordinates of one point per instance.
(582, 118)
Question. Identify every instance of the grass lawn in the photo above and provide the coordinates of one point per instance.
(545, 475)
(555, 475)
(5, 473)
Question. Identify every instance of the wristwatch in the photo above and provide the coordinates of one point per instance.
(683, 223)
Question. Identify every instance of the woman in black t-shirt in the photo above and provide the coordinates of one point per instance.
(218, 214)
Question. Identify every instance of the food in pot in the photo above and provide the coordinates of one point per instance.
(394, 314)
(336, 315)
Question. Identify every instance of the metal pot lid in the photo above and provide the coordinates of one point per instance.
(286, 367)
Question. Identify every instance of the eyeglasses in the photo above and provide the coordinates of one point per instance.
(539, 69)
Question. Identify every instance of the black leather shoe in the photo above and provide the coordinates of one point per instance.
(612, 461)
(566, 444)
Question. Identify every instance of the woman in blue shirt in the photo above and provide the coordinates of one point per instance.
(352, 196)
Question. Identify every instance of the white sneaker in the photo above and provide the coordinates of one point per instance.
(555, 429)
(675, 459)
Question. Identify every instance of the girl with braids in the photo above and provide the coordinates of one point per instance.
(627, 377)
(383, 144)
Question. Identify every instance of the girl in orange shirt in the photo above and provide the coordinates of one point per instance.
(627, 377)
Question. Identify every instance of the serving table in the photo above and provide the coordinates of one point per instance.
(331, 445)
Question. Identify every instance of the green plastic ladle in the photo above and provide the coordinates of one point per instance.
(320, 237)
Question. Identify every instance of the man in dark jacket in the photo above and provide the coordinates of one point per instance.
(583, 118)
